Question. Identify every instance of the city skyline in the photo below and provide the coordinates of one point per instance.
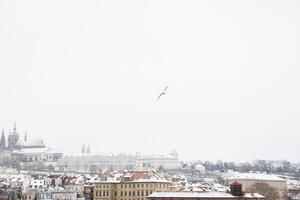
(74, 72)
(85, 148)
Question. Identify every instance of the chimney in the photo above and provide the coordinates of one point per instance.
(236, 189)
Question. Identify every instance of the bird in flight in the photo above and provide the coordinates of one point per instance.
(163, 93)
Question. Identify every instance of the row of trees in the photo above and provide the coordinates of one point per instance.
(278, 167)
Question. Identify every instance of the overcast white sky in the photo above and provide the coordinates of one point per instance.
(74, 72)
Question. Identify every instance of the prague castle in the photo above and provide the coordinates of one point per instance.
(25, 150)
(15, 142)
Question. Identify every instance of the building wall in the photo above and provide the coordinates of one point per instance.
(64, 196)
(83, 162)
(247, 186)
(203, 198)
(156, 162)
(4, 155)
(30, 196)
(128, 190)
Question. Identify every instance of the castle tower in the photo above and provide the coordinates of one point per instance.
(25, 137)
(13, 137)
(88, 151)
(2, 141)
(83, 149)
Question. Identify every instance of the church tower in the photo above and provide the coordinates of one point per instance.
(25, 137)
(2, 141)
(88, 151)
(83, 149)
(13, 137)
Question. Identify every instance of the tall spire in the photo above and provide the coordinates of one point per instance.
(2, 140)
(83, 149)
(25, 137)
(14, 132)
(88, 151)
(15, 127)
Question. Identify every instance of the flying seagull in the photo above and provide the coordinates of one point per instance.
(164, 92)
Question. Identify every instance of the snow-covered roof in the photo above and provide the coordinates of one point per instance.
(51, 150)
(30, 143)
(200, 195)
(256, 176)
(30, 150)
(35, 150)
(134, 176)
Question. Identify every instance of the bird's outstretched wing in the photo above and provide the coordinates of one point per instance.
(166, 88)
(160, 95)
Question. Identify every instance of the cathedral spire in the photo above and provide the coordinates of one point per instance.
(14, 131)
(83, 149)
(15, 127)
(88, 151)
(25, 137)
(2, 140)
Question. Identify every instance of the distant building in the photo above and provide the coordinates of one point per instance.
(30, 194)
(87, 161)
(94, 162)
(236, 193)
(36, 154)
(248, 180)
(202, 196)
(88, 192)
(2, 141)
(62, 194)
(5, 155)
(156, 162)
(134, 185)
(26, 150)
(200, 168)
(13, 137)
(44, 194)
(78, 188)
(8, 195)
(25, 144)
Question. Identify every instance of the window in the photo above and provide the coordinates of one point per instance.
(129, 193)
(116, 193)
(121, 194)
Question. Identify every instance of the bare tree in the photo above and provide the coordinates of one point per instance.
(266, 190)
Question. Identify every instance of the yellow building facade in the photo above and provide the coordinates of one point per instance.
(128, 189)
